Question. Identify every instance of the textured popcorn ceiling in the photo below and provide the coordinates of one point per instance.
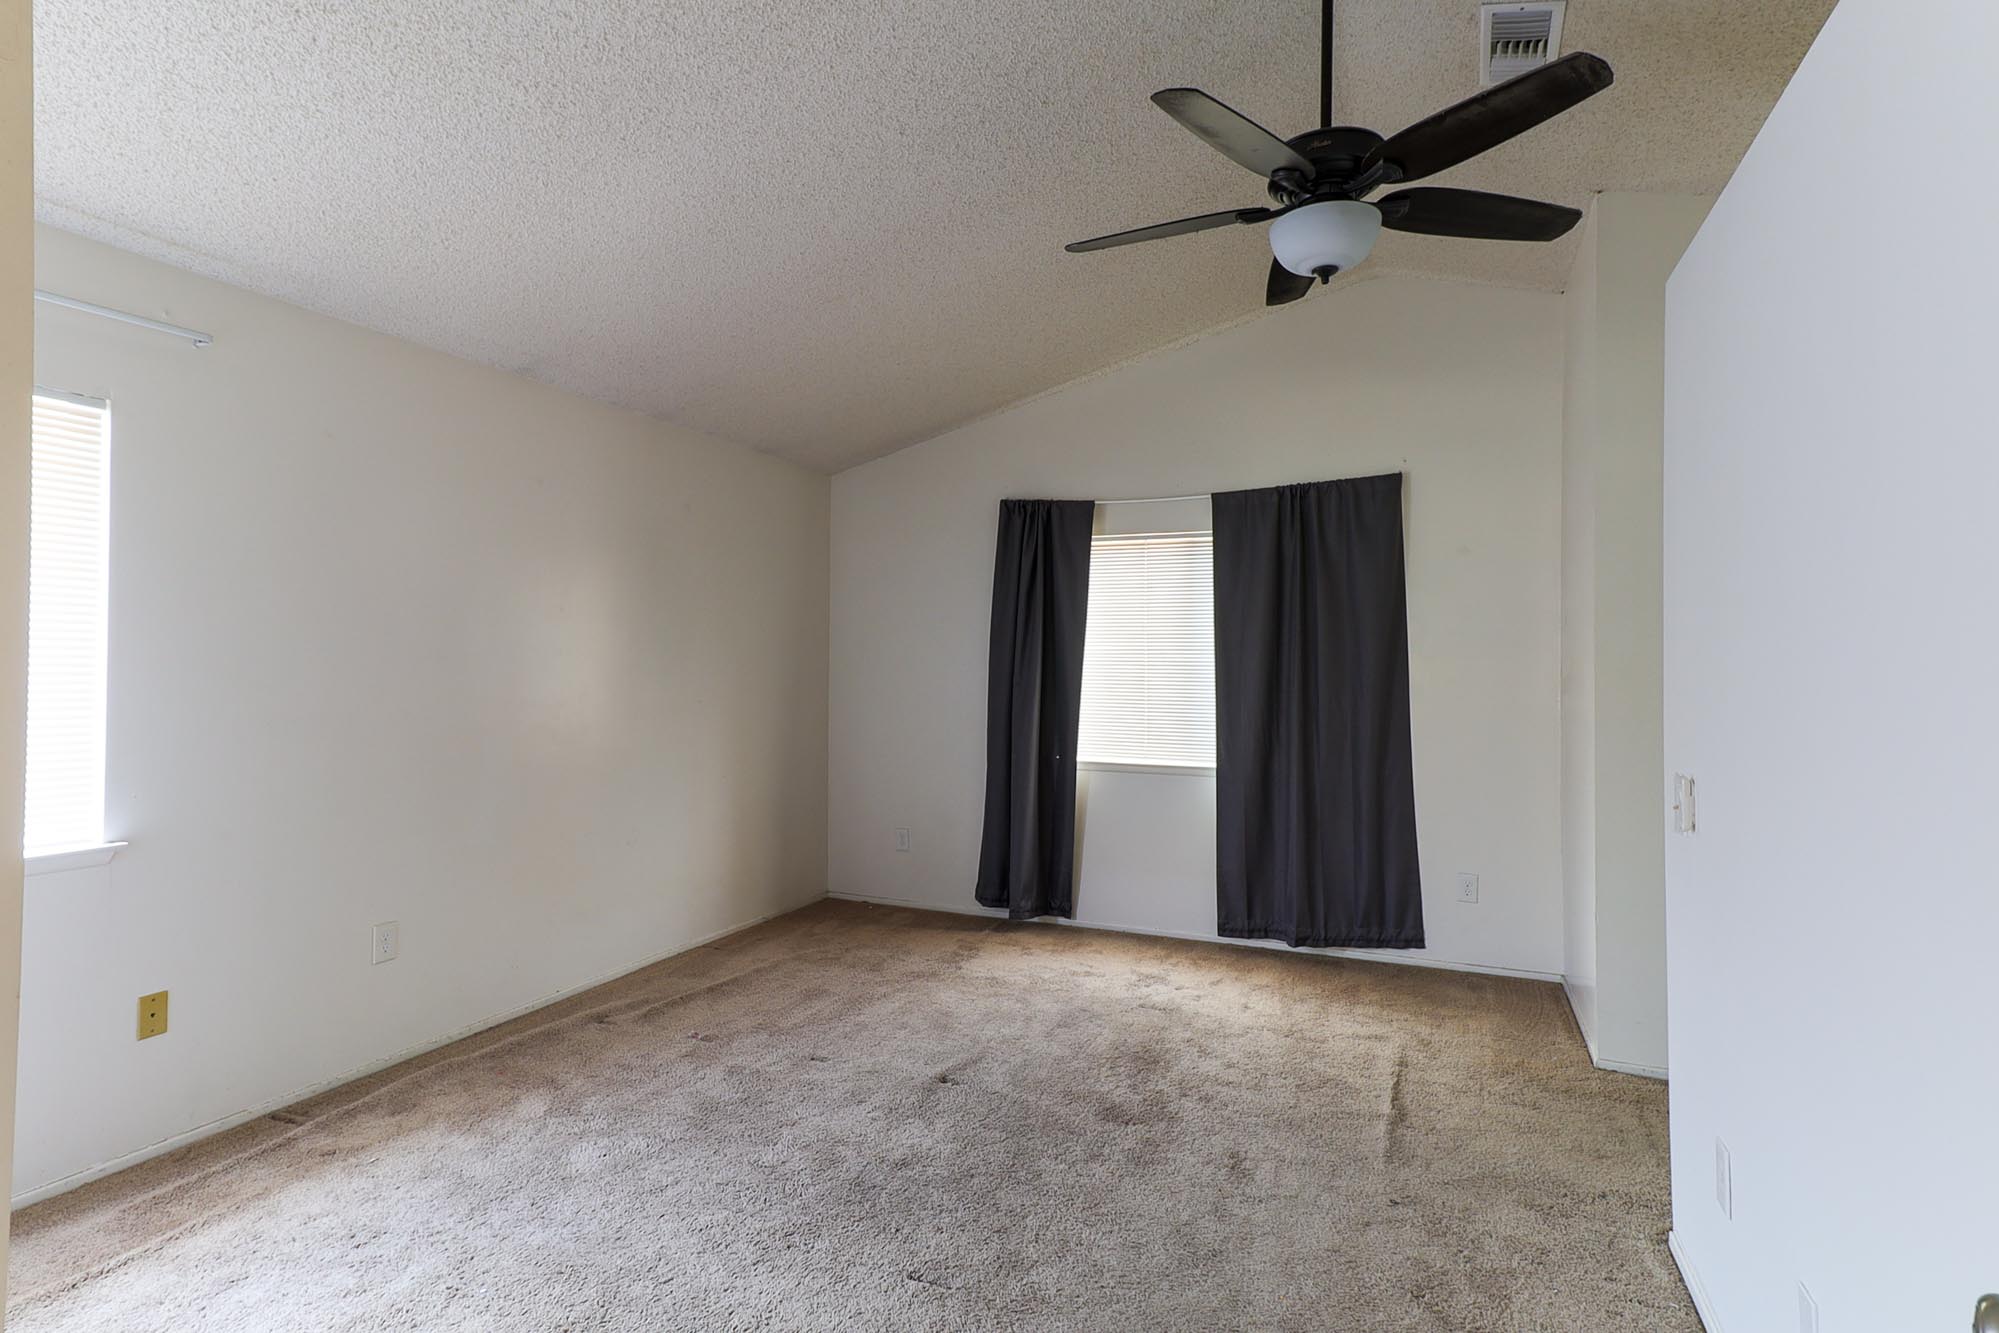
(824, 229)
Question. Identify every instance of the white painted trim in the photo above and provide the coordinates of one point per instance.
(71, 858)
(1361, 955)
(65, 396)
(1703, 1303)
(213, 1127)
(1625, 1067)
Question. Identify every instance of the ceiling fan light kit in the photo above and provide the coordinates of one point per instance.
(1319, 240)
(1323, 223)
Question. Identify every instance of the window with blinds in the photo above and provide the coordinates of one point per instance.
(1149, 651)
(67, 607)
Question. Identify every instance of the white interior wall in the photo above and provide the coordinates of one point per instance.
(1458, 387)
(1612, 801)
(17, 280)
(1830, 639)
(399, 637)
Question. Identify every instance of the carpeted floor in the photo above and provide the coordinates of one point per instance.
(867, 1118)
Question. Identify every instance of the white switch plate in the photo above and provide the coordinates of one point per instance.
(1808, 1311)
(902, 840)
(1683, 803)
(388, 941)
(1724, 1179)
(1467, 888)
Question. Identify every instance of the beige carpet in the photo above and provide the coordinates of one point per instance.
(866, 1118)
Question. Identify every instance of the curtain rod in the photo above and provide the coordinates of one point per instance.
(195, 336)
(1154, 500)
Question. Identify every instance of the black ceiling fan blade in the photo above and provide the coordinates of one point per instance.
(1181, 227)
(1230, 133)
(1284, 286)
(1436, 211)
(1461, 132)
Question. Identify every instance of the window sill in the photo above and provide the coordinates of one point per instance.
(1171, 770)
(72, 858)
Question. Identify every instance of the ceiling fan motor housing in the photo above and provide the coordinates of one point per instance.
(1336, 155)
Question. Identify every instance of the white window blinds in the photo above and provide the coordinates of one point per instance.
(1149, 651)
(67, 605)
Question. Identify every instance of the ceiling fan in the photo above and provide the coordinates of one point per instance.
(1321, 225)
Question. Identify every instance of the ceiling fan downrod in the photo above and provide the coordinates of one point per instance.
(1326, 64)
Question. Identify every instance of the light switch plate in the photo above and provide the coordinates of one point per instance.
(1683, 803)
(1724, 1179)
(902, 840)
(388, 941)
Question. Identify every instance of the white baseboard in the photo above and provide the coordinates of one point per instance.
(1362, 955)
(217, 1126)
(1624, 1067)
(1703, 1304)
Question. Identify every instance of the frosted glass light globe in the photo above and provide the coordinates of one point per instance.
(1334, 233)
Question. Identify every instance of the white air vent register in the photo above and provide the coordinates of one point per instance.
(1513, 39)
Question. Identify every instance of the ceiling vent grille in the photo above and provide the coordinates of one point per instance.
(1515, 38)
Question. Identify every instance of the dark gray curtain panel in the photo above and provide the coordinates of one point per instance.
(1315, 819)
(1034, 700)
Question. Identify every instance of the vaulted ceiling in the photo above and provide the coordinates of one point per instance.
(824, 230)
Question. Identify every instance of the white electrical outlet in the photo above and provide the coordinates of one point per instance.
(1724, 1179)
(388, 941)
(902, 840)
(1808, 1311)
(1467, 888)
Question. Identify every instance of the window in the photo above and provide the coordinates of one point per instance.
(67, 604)
(1149, 651)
